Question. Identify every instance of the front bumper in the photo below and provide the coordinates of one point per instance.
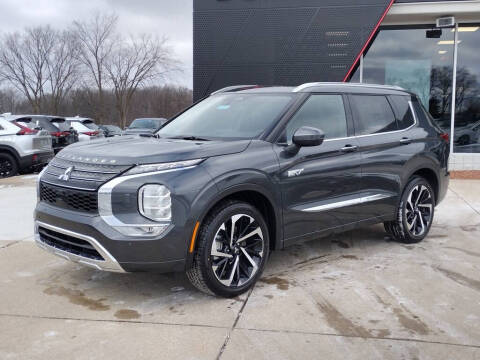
(108, 264)
(120, 253)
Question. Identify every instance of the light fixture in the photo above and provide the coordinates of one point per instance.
(467, 29)
(448, 42)
(441, 52)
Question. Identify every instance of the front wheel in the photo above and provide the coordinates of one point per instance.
(414, 214)
(233, 246)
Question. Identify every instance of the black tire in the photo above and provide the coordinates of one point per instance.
(8, 165)
(414, 214)
(210, 273)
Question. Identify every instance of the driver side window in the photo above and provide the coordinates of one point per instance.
(324, 112)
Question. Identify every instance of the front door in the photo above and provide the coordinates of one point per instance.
(320, 183)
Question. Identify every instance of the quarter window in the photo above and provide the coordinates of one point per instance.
(402, 110)
(324, 112)
(373, 114)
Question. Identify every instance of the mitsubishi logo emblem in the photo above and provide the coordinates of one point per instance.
(66, 175)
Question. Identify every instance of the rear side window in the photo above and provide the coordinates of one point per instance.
(324, 112)
(402, 111)
(373, 114)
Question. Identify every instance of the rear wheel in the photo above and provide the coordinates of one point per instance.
(8, 165)
(232, 250)
(414, 214)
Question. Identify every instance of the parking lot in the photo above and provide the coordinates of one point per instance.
(357, 296)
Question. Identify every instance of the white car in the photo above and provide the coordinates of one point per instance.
(22, 148)
(85, 126)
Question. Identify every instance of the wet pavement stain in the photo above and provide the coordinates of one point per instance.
(461, 279)
(311, 259)
(351, 257)
(339, 322)
(127, 314)
(77, 297)
(282, 284)
(342, 244)
(468, 252)
(411, 323)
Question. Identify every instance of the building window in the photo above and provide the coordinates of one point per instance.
(467, 99)
(415, 60)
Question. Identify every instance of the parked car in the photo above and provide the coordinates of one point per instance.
(60, 138)
(85, 133)
(22, 148)
(94, 131)
(243, 172)
(145, 126)
(111, 130)
(468, 134)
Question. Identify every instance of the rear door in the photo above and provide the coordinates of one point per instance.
(318, 183)
(387, 139)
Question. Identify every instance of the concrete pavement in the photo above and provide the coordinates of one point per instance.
(354, 296)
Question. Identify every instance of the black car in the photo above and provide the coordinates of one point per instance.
(145, 126)
(111, 130)
(243, 172)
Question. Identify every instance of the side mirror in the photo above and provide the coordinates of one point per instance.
(308, 136)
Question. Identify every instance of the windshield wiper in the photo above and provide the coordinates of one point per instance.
(191, 137)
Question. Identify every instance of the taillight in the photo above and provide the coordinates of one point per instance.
(24, 130)
(91, 133)
(59, 133)
(445, 137)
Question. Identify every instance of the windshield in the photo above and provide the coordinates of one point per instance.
(229, 116)
(145, 124)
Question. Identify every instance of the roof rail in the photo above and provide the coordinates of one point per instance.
(234, 88)
(309, 85)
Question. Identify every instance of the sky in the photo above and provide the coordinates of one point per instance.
(170, 18)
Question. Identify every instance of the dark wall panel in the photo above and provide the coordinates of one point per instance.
(278, 42)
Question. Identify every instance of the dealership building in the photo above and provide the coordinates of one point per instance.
(428, 47)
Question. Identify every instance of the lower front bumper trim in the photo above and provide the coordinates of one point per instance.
(109, 264)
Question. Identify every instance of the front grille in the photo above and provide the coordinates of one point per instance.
(86, 201)
(69, 244)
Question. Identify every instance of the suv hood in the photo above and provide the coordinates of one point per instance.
(129, 150)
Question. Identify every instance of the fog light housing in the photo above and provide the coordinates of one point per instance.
(155, 202)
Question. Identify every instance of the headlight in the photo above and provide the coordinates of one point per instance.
(140, 169)
(154, 202)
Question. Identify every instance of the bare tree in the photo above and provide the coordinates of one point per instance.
(134, 64)
(97, 40)
(62, 65)
(23, 62)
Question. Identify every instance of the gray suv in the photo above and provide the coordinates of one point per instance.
(22, 148)
(243, 172)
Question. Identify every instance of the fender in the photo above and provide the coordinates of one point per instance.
(214, 193)
(11, 151)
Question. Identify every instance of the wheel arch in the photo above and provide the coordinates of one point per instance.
(10, 150)
(429, 174)
(257, 196)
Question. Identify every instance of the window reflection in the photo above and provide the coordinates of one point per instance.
(408, 58)
(467, 109)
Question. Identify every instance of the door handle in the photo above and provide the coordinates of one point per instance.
(405, 141)
(349, 148)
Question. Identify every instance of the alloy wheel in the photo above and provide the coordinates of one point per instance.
(237, 250)
(6, 167)
(418, 210)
